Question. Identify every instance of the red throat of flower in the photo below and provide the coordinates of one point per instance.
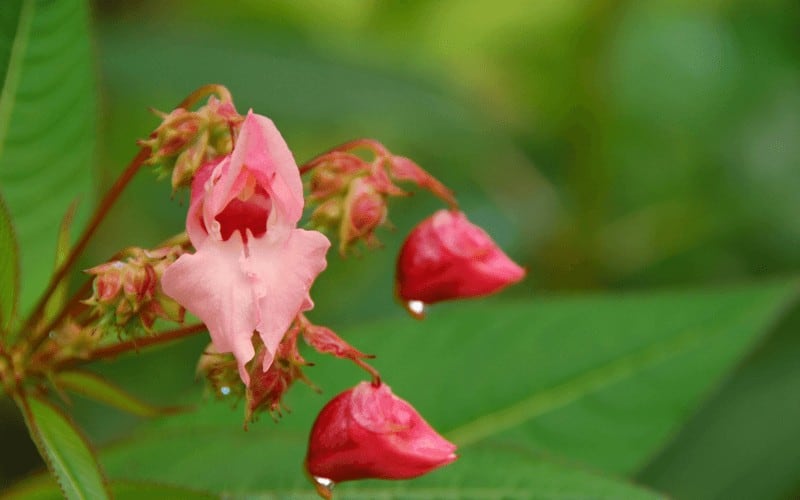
(246, 213)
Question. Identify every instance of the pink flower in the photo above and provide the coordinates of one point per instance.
(368, 432)
(252, 269)
(447, 257)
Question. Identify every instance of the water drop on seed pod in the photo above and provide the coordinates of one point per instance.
(324, 487)
(416, 308)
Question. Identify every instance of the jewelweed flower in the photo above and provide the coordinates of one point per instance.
(368, 432)
(448, 257)
(252, 269)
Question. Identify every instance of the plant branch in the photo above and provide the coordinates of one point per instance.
(115, 350)
(370, 144)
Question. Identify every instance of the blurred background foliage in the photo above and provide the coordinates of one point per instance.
(605, 145)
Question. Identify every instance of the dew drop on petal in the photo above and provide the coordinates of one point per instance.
(416, 308)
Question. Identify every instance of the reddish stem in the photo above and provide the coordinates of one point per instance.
(376, 147)
(115, 350)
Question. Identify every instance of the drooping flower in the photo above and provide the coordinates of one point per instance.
(447, 257)
(252, 269)
(368, 432)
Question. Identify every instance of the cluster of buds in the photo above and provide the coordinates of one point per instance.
(266, 389)
(186, 139)
(130, 287)
(351, 193)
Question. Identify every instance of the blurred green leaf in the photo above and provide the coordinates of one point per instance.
(605, 381)
(94, 387)
(63, 244)
(66, 452)
(9, 269)
(47, 126)
(743, 443)
(43, 488)
(263, 464)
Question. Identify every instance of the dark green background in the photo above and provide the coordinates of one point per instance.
(605, 145)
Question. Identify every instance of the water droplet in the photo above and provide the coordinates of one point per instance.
(225, 390)
(324, 487)
(416, 308)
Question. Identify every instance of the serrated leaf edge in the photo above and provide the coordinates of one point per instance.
(22, 402)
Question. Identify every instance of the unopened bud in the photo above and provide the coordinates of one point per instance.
(447, 257)
(221, 372)
(368, 432)
(186, 140)
(364, 211)
(129, 287)
(333, 172)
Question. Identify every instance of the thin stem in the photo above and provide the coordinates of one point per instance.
(370, 144)
(376, 376)
(205, 91)
(115, 350)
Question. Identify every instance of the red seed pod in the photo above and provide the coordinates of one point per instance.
(447, 257)
(368, 432)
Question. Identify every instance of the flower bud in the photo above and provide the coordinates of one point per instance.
(130, 287)
(333, 172)
(221, 373)
(352, 192)
(364, 211)
(368, 432)
(186, 140)
(447, 257)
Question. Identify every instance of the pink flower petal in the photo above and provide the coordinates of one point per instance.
(282, 271)
(212, 285)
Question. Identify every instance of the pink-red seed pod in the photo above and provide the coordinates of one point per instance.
(447, 257)
(368, 432)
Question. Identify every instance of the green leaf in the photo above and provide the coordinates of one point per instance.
(744, 442)
(67, 453)
(47, 126)
(63, 245)
(602, 381)
(97, 388)
(266, 462)
(44, 488)
(9, 269)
